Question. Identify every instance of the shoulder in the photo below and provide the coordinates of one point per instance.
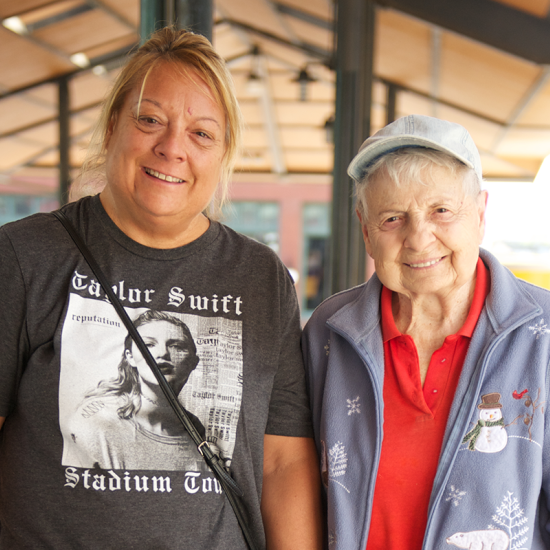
(96, 412)
(42, 230)
(249, 254)
(506, 287)
(244, 243)
(334, 304)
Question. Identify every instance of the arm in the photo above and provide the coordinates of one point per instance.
(291, 502)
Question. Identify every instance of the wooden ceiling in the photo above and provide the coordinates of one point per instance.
(462, 64)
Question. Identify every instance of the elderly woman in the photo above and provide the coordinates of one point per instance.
(161, 158)
(429, 382)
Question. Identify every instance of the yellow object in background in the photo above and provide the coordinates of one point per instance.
(535, 275)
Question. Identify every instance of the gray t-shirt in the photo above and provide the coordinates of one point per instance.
(62, 340)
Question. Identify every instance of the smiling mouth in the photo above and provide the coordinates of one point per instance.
(426, 264)
(161, 176)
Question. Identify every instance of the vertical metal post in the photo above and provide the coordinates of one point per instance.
(64, 140)
(196, 16)
(153, 17)
(391, 103)
(354, 67)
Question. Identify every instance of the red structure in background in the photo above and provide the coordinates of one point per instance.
(292, 193)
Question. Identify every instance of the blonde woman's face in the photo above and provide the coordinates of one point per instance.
(164, 153)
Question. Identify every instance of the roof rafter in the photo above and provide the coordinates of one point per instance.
(485, 21)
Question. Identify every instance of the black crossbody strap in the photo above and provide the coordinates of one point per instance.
(228, 484)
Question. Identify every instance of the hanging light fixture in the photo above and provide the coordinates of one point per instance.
(303, 79)
(329, 129)
(80, 59)
(15, 24)
(254, 81)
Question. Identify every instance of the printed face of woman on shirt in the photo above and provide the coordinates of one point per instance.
(171, 349)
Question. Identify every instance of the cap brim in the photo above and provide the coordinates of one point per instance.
(384, 145)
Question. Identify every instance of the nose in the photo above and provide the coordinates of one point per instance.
(171, 145)
(419, 234)
(162, 352)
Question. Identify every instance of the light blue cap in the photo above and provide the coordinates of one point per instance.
(417, 131)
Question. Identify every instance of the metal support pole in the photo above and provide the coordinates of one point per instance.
(196, 16)
(153, 17)
(391, 103)
(354, 67)
(64, 140)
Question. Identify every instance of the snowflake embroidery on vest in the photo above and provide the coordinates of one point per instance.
(354, 406)
(332, 540)
(540, 329)
(455, 495)
(327, 348)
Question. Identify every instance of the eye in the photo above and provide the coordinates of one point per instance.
(442, 213)
(148, 119)
(202, 134)
(392, 222)
(150, 342)
(179, 347)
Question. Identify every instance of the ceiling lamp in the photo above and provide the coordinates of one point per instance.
(254, 81)
(15, 24)
(303, 79)
(80, 60)
(329, 129)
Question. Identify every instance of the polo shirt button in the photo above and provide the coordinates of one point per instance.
(443, 360)
(434, 391)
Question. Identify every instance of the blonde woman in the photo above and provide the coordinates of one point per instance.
(160, 163)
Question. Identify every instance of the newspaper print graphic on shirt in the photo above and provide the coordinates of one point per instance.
(112, 413)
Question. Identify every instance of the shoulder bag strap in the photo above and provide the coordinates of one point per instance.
(228, 484)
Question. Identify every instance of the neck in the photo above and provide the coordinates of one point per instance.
(155, 413)
(163, 232)
(444, 313)
(430, 319)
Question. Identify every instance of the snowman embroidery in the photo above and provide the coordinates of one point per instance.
(488, 435)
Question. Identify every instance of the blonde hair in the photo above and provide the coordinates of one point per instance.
(188, 51)
(413, 164)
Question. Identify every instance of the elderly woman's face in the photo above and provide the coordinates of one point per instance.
(163, 160)
(424, 239)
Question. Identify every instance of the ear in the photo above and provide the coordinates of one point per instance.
(365, 232)
(481, 202)
(110, 130)
(130, 358)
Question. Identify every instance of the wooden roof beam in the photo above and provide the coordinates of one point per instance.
(485, 21)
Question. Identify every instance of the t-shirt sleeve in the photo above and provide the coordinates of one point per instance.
(13, 340)
(289, 412)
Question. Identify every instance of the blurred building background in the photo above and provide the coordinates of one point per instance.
(313, 80)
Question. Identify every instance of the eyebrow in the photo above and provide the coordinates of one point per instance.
(388, 212)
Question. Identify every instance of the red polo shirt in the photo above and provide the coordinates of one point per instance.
(414, 425)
